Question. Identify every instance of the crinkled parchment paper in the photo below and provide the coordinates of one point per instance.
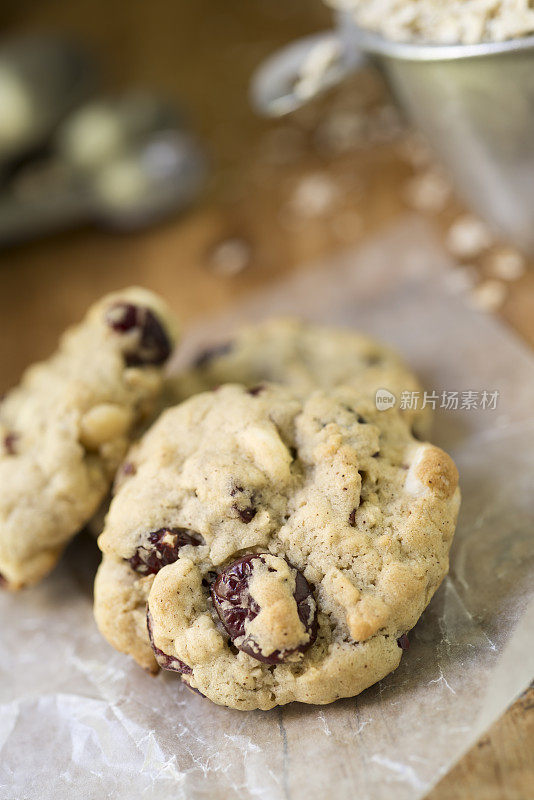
(79, 720)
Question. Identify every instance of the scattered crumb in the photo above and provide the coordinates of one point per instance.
(489, 296)
(341, 132)
(347, 130)
(428, 192)
(385, 125)
(315, 195)
(230, 257)
(506, 263)
(468, 237)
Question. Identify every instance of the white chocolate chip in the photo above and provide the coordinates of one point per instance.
(268, 451)
(277, 625)
(342, 592)
(103, 423)
(413, 484)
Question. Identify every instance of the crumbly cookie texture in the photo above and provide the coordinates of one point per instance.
(439, 22)
(304, 356)
(282, 545)
(65, 429)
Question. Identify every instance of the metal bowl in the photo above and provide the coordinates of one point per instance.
(474, 104)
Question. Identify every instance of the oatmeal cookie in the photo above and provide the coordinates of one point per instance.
(65, 429)
(305, 356)
(269, 547)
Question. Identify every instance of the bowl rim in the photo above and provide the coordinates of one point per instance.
(375, 44)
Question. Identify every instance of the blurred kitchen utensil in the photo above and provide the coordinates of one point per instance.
(123, 162)
(139, 184)
(105, 127)
(474, 103)
(42, 79)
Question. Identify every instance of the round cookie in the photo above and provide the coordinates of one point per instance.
(284, 546)
(65, 429)
(305, 356)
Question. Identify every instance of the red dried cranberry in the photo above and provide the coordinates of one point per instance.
(247, 514)
(128, 468)
(170, 663)
(403, 642)
(192, 688)
(236, 607)
(9, 443)
(152, 346)
(163, 548)
(352, 518)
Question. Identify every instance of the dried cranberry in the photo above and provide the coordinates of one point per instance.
(236, 607)
(163, 548)
(192, 688)
(128, 468)
(9, 443)
(403, 642)
(256, 390)
(352, 518)
(247, 514)
(171, 663)
(152, 345)
(207, 355)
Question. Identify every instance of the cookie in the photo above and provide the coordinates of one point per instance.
(65, 429)
(305, 356)
(269, 547)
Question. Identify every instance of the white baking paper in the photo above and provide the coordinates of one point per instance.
(80, 720)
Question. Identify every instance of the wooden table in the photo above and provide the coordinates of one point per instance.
(202, 53)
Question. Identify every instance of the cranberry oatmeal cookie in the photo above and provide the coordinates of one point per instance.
(270, 548)
(305, 356)
(65, 429)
